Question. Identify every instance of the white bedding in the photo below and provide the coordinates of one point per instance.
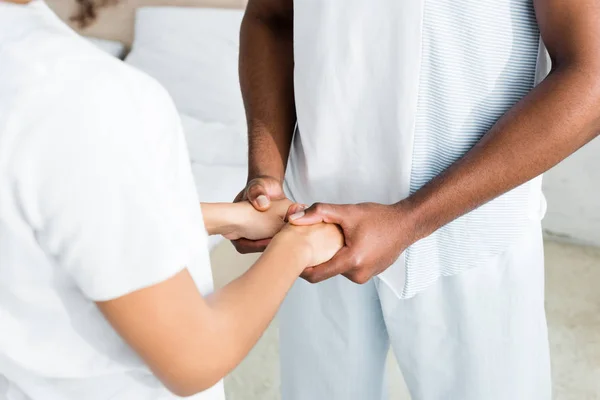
(193, 54)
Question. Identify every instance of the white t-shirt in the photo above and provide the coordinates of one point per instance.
(97, 200)
(390, 93)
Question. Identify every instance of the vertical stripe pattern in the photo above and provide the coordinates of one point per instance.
(478, 59)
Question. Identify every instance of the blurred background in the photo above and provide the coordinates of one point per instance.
(191, 47)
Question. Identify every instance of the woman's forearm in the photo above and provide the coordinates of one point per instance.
(230, 321)
(242, 310)
(189, 341)
(221, 218)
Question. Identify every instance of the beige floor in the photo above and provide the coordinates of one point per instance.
(573, 307)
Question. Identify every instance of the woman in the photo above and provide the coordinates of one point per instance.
(105, 283)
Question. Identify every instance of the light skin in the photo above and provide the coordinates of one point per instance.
(190, 342)
(554, 120)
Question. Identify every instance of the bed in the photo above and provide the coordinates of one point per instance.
(193, 53)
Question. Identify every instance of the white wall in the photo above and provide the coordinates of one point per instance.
(573, 193)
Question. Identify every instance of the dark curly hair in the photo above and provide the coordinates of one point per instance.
(88, 10)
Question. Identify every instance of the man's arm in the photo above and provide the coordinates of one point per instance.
(267, 83)
(555, 119)
(266, 70)
(558, 117)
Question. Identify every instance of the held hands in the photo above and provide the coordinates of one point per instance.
(270, 207)
(252, 225)
(260, 192)
(318, 242)
(375, 236)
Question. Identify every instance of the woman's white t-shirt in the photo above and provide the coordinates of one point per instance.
(97, 200)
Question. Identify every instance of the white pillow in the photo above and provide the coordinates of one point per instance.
(112, 47)
(193, 52)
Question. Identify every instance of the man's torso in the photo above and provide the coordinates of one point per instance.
(389, 94)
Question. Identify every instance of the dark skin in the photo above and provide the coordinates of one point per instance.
(266, 72)
(554, 120)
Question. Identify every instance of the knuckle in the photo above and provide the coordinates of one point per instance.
(254, 181)
(243, 250)
(319, 208)
(310, 277)
(239, 248)
(254, 189)
(356, 261)
(255, 184)
(360, 278)
(243, 246)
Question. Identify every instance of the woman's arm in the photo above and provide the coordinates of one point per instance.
(191, 342)
(242, 220)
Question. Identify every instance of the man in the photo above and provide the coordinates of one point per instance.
(431, 121)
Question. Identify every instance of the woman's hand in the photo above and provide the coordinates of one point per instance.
(256, 225)
(318, 243)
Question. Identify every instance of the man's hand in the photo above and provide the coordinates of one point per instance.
(259, 192)
(375, 236)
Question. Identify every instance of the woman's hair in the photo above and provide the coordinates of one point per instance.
(87, 11)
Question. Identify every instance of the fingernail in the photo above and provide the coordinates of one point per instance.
(262, 200)
(303, 206)
(296, 216)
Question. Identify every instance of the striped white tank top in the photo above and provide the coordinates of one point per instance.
(389, 93)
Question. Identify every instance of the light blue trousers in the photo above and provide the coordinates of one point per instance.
(480, 335)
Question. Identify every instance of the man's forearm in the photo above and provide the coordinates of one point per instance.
(558, 117)
(266, 77)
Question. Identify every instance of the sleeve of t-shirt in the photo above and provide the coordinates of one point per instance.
(111, 195)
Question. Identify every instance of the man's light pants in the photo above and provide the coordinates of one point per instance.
(480, 335)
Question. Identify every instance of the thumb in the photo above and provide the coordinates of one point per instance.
(260, 191)
(258, 195)
(294, 209)
(318, 212)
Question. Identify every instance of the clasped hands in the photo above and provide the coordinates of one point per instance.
(374, 234)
